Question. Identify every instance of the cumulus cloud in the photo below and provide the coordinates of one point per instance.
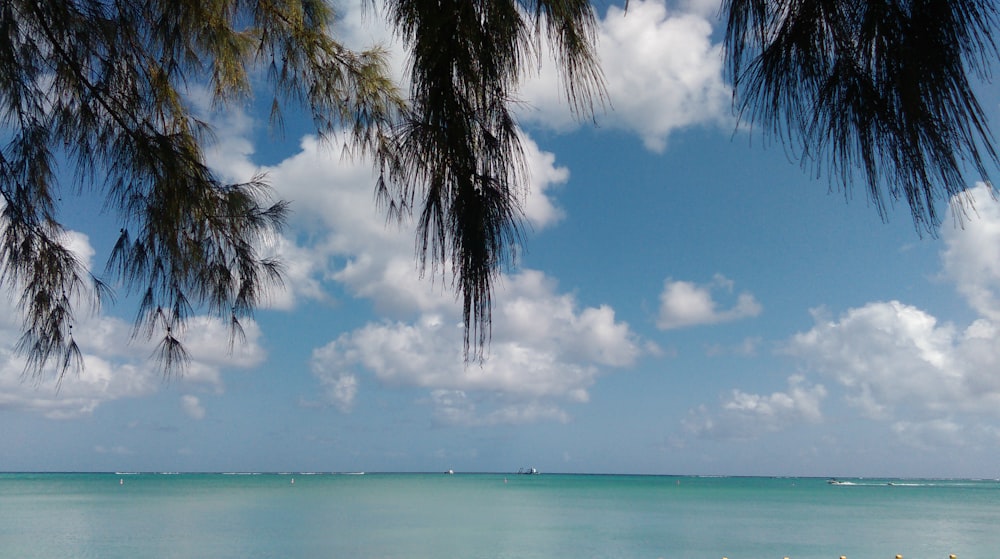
(662, 70)
(971, 258)
(901, 364)
(889, 355)
(746, 416)
(79, 244)
(684, 303)
(113, 368)
(212, 349)
(340, 387)
(545, 346)
(544, 349)
(342, 238)
(77, 394)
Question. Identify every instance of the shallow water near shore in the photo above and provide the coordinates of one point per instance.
(492, 516)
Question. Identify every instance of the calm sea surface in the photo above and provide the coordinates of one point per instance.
(482, 516)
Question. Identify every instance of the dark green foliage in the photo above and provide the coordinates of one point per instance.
(104, 86)
(460, 161)
(879, 87)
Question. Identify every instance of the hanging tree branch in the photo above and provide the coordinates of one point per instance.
(878, 89)
(103, 86)
(461, 165)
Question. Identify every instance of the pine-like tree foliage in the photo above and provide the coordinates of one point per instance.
(876, 88)
(879, 87)
(101, 85)
(461, 168)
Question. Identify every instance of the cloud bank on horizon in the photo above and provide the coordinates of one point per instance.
(935, 382)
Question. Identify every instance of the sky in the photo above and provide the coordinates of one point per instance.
(689, 300)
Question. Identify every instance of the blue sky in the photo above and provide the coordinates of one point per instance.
(689, 301)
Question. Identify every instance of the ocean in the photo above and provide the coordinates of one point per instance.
(492, 516)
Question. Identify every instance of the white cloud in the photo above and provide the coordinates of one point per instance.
(340, 387)
(662, 70)
(543, 350)
(77, 394)
(544, 347)
(110, 370)
(343, 237)
(972, 255)
(302, 276)
(891, 355)
(229, 155)
(211, 348)
(539, 208)
(113, 367)
(685, 303)
(362, 25)
(192, 407)
(899, 363)
(79, 244)
(747, 416)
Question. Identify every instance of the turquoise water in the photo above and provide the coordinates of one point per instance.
(480, 516)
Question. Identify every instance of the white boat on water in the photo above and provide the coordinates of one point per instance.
(527, 471)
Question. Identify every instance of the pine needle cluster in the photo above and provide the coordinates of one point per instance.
(103, 86)
(878, 89)
(461, 168)
(876, 92)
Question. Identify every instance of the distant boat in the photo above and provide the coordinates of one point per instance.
(450, 472)
(527, 471)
